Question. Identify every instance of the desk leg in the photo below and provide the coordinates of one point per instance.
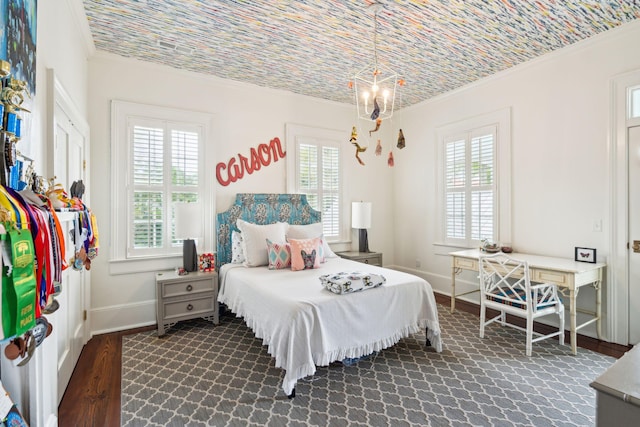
(572, 314)
(454, 271)
(598, 288)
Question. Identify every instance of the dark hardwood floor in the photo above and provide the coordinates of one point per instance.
(93, 394)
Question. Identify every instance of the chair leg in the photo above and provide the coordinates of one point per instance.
(561, 336)
(529, 346)
(483, 316)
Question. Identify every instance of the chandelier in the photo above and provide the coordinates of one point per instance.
(375, 84)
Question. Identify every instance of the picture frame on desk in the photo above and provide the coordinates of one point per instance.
(585, 255)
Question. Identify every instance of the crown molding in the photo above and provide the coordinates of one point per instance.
(80, 17)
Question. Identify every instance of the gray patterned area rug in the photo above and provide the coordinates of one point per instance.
(201, 375)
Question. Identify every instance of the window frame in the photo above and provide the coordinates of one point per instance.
(300, 134)
(125, 259)
(501, 120)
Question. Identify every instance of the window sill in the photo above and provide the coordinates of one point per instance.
(144, 265)
(444, 248)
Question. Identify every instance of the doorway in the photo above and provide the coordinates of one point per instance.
(634, 233)
(623, 284)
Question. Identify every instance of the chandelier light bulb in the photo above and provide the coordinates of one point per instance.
(374, 88)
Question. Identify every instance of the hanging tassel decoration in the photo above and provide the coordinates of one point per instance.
(378, 123)
(390, 159)
(400, 140)
(378, 149)
(358, 151)
(376, 109)
(354, 134)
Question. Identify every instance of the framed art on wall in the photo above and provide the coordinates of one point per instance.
(585, 255)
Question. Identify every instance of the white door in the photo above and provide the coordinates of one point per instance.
(70, 324)
(634, 234)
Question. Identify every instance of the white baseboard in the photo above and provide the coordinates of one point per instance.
(122, 317)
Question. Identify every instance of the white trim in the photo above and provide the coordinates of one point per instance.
(121, 317)
(502, 120)
(618, 271)
(294, 131)
(120, 111)
(82, 22)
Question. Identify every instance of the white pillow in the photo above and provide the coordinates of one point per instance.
(310, 231)
(237, 254)
(254, 240)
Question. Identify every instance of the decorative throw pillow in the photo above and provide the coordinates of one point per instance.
(237, 254)
(253, 240)
(279, 255)
(305, 253)
(310, 231)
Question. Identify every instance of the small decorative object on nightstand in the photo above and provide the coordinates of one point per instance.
(185, 297)
(373, 258)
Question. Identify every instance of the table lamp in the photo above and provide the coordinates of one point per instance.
(361, 219)
(188, 226)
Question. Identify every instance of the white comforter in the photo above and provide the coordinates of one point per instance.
(304, 325)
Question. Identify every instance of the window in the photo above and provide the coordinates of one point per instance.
(470, 186)
(474, 179)
(314, 168)
(159, 156)
(165, 170)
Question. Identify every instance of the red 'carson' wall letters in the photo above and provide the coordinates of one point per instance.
(261, 156)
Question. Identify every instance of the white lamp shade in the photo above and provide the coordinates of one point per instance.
(188, 220)
(361, 214)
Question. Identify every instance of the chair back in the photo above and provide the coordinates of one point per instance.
(505, 280)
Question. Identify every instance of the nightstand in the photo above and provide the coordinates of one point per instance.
(373, 258)
(185, 297)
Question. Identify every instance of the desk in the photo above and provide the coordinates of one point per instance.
(567, 274)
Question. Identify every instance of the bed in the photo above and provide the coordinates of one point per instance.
(303, 324)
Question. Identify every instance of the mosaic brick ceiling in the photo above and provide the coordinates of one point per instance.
(313, 47)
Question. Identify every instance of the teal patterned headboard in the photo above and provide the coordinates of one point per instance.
(261, 209)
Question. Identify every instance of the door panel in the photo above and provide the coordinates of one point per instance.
(68, 167)
(634, 234)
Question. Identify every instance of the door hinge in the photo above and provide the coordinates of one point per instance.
(84, 165)
(84, 314)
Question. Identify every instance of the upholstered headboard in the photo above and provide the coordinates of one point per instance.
(261, 209)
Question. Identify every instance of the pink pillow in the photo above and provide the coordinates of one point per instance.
(279, 255)
(305, 253)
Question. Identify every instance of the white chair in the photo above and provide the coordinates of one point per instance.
(505, 286)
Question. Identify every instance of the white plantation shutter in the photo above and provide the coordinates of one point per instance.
(482, 186)
(331, 191)
(165, 169)
(318, 176)
(455, 170)
(470, 186)
(148, 158)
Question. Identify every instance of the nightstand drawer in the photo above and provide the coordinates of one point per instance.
(373, 260)
(190, 307)
(185, 288)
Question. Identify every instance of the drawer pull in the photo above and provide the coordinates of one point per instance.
(189, 288)
(366, 261)
(189, 307)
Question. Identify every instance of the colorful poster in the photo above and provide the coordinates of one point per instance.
(18, 39)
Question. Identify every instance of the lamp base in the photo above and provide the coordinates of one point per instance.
(189, 255)
(364, 241)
